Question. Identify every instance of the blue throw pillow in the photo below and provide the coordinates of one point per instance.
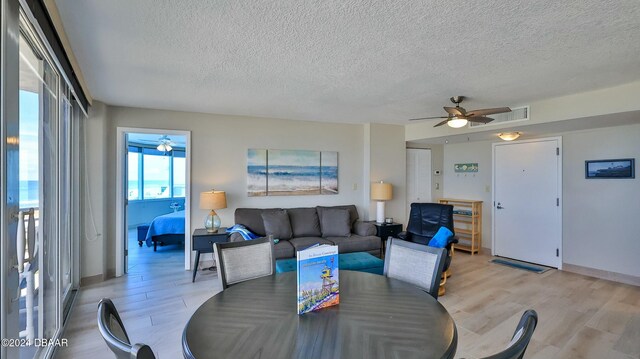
(441, 238)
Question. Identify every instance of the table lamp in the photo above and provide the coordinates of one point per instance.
(212, 200)
(381, 192)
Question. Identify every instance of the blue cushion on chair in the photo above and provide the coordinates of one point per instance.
(441, 238)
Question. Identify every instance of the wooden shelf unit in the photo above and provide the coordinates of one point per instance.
(467, 223)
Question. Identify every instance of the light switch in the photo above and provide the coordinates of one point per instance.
(355, 186)
(487, 188)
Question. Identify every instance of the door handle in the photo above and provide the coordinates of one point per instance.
(499, 206)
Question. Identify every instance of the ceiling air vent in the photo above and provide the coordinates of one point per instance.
(516, 114)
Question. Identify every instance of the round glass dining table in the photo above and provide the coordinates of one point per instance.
(378, 317)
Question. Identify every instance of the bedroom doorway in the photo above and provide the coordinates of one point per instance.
(153, 193)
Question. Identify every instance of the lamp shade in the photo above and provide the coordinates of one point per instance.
(213, 200)
(381, 191)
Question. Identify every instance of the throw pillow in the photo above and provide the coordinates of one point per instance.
(276, 223)
(441, 238)
(335, 222)
(304, 222)
(353, 212)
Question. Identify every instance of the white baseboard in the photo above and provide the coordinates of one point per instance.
(602, 274)
(91, 280)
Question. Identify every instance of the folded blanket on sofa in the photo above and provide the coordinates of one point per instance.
(243, 231)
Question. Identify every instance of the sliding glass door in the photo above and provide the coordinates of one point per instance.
(40, 214)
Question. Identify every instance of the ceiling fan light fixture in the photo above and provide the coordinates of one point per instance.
(164, 147)
(457, 122)
(165, 144)
(509, 136)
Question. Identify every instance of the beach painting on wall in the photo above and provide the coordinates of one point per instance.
(291, 172)
(329, 172)
(257, 173)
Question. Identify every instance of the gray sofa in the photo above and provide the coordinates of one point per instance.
(299, 228)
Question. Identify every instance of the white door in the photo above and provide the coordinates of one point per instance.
(418, 176)
(527, 215)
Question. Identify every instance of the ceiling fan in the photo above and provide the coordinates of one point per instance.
(459, 117)
(166, 145)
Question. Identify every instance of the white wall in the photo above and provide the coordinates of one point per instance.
(92, 256)
(472, 186)
(219, 147)
(599, 216)
(388, 157)
(600, 228)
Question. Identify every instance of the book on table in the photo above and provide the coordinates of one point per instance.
(318, 283)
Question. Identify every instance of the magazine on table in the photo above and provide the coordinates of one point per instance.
(318, 283)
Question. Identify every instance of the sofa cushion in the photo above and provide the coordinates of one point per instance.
(356, 243)
(252, 219)
(364, 228)
(335, 222)
(276, 223)
(304, 222)
(284, 249)
(301, 243)
(353, 212)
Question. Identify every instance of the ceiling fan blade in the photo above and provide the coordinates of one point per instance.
(455, 111)
(488, 111)
(441, 123)
(427, 118)
(480, 119)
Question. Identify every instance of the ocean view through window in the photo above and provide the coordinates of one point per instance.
(152, 174)
(29, 152)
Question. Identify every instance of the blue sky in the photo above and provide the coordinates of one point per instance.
(257, 157)
(310, 275)
(330, 158)
(294, 158)
(29, 118)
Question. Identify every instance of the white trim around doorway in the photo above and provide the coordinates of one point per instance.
(120, 193)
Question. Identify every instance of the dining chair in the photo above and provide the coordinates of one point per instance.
(241, 261)
(114, 334)
(415, 263)
(521, 337)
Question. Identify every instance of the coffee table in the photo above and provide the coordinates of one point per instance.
(356, 261)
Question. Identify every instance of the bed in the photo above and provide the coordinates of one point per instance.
(166, 229)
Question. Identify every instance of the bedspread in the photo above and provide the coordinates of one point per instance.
(172, 223)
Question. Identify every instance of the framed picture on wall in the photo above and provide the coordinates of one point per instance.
(620, 168)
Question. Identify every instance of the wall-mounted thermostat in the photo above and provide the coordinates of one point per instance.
(436, 172)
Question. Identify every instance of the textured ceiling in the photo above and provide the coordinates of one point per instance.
(351, 61)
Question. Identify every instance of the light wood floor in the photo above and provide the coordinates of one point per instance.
(580, 317)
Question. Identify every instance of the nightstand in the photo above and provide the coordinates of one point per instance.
(386, 230)
(202, 242)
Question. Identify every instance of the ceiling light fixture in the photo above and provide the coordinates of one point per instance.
(165, 144)
(509, 136)
(457, 122)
